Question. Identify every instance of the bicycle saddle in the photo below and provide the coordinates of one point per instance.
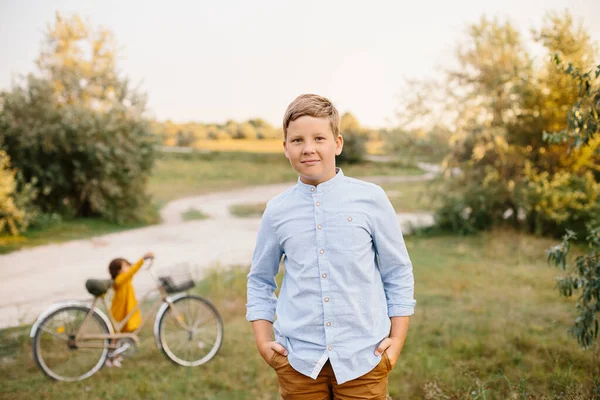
(98, 287)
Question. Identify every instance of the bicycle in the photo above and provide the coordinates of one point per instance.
(73, 339)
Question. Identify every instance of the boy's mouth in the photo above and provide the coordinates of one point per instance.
(310, 162)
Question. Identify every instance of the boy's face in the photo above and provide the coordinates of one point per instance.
(311, 149)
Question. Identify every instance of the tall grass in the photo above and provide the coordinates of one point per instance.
(489, 324)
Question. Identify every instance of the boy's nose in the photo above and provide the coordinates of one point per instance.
(308, 149)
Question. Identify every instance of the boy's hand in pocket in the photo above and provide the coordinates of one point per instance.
(266, 350)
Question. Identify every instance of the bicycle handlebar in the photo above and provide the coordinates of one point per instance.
(150, 263)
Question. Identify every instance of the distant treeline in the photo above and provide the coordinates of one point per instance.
(186, 134)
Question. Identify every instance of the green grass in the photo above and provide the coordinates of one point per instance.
(411, 196)
(248, 210)
(192, 214)
(489, 324)
(62, 231)
(181, 175)
(405, 197)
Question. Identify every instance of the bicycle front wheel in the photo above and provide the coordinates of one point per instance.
(190, 331)
(59, 355)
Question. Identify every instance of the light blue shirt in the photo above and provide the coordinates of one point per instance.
(347, 272)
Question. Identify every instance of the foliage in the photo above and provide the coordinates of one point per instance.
(11, 216)
(184, 139)
(429, 144)
(77, 131)
(496, 106)
(584, 116)
(582, 131)
(560, 201)
(503, 166)
(583, 277)
(355, 139)
(188, 134)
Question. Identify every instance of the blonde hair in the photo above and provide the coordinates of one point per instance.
(312, 105)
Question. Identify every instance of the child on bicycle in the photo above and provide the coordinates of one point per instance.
(124, 300)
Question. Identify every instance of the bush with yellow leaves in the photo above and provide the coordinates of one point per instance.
(12, 219)
(561, 201)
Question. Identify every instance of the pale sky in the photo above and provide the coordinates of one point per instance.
(213, 61)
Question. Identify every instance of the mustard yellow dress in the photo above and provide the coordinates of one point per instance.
(124, 300)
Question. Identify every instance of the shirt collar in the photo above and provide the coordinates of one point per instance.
(323, 186)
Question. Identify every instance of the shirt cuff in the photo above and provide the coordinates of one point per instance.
(398, 310)
(255, 315)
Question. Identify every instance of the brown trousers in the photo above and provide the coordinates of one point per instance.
(295, 386)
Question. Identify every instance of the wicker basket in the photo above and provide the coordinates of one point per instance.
(178, 279)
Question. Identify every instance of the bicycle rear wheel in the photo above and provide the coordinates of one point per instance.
(190, 332)
(56, 352)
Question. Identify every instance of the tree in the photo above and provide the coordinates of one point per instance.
(496, 105)
(355, 139)
(185, 139)
(245, 131)
(349, 123)
(582, 129)
(77, 130)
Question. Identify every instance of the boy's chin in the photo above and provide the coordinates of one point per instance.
(312, 179)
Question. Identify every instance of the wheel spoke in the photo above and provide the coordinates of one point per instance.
(200, 341)
(58, 335)
(58, 356)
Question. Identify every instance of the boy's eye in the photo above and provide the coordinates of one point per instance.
(296, 140)
(320, 138)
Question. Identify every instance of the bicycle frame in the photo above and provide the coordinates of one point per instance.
(80, 339)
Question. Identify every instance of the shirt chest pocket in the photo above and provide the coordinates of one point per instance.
(347, 232)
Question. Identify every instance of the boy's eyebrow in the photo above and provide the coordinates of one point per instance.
(292, 136)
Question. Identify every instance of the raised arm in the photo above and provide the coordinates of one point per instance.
(125, 276)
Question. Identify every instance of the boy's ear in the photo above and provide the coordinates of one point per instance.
(285, 149)
(339, 145)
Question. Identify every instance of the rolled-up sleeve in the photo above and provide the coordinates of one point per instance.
(394, 262)
(261, 298)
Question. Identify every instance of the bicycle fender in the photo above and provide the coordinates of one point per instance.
(65, 303)
(163, 308)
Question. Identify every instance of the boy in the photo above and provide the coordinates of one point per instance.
(347, 292)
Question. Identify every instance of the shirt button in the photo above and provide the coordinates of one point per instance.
(324, 276)
(318, 204)
(326, 299)
(312, 189)
(321, 251)
(328, 324)
(319, 226)
(350, 219)
(329, 348)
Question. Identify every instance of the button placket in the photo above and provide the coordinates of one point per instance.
(322, 263)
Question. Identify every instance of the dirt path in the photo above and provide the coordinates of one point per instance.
(35, 278)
